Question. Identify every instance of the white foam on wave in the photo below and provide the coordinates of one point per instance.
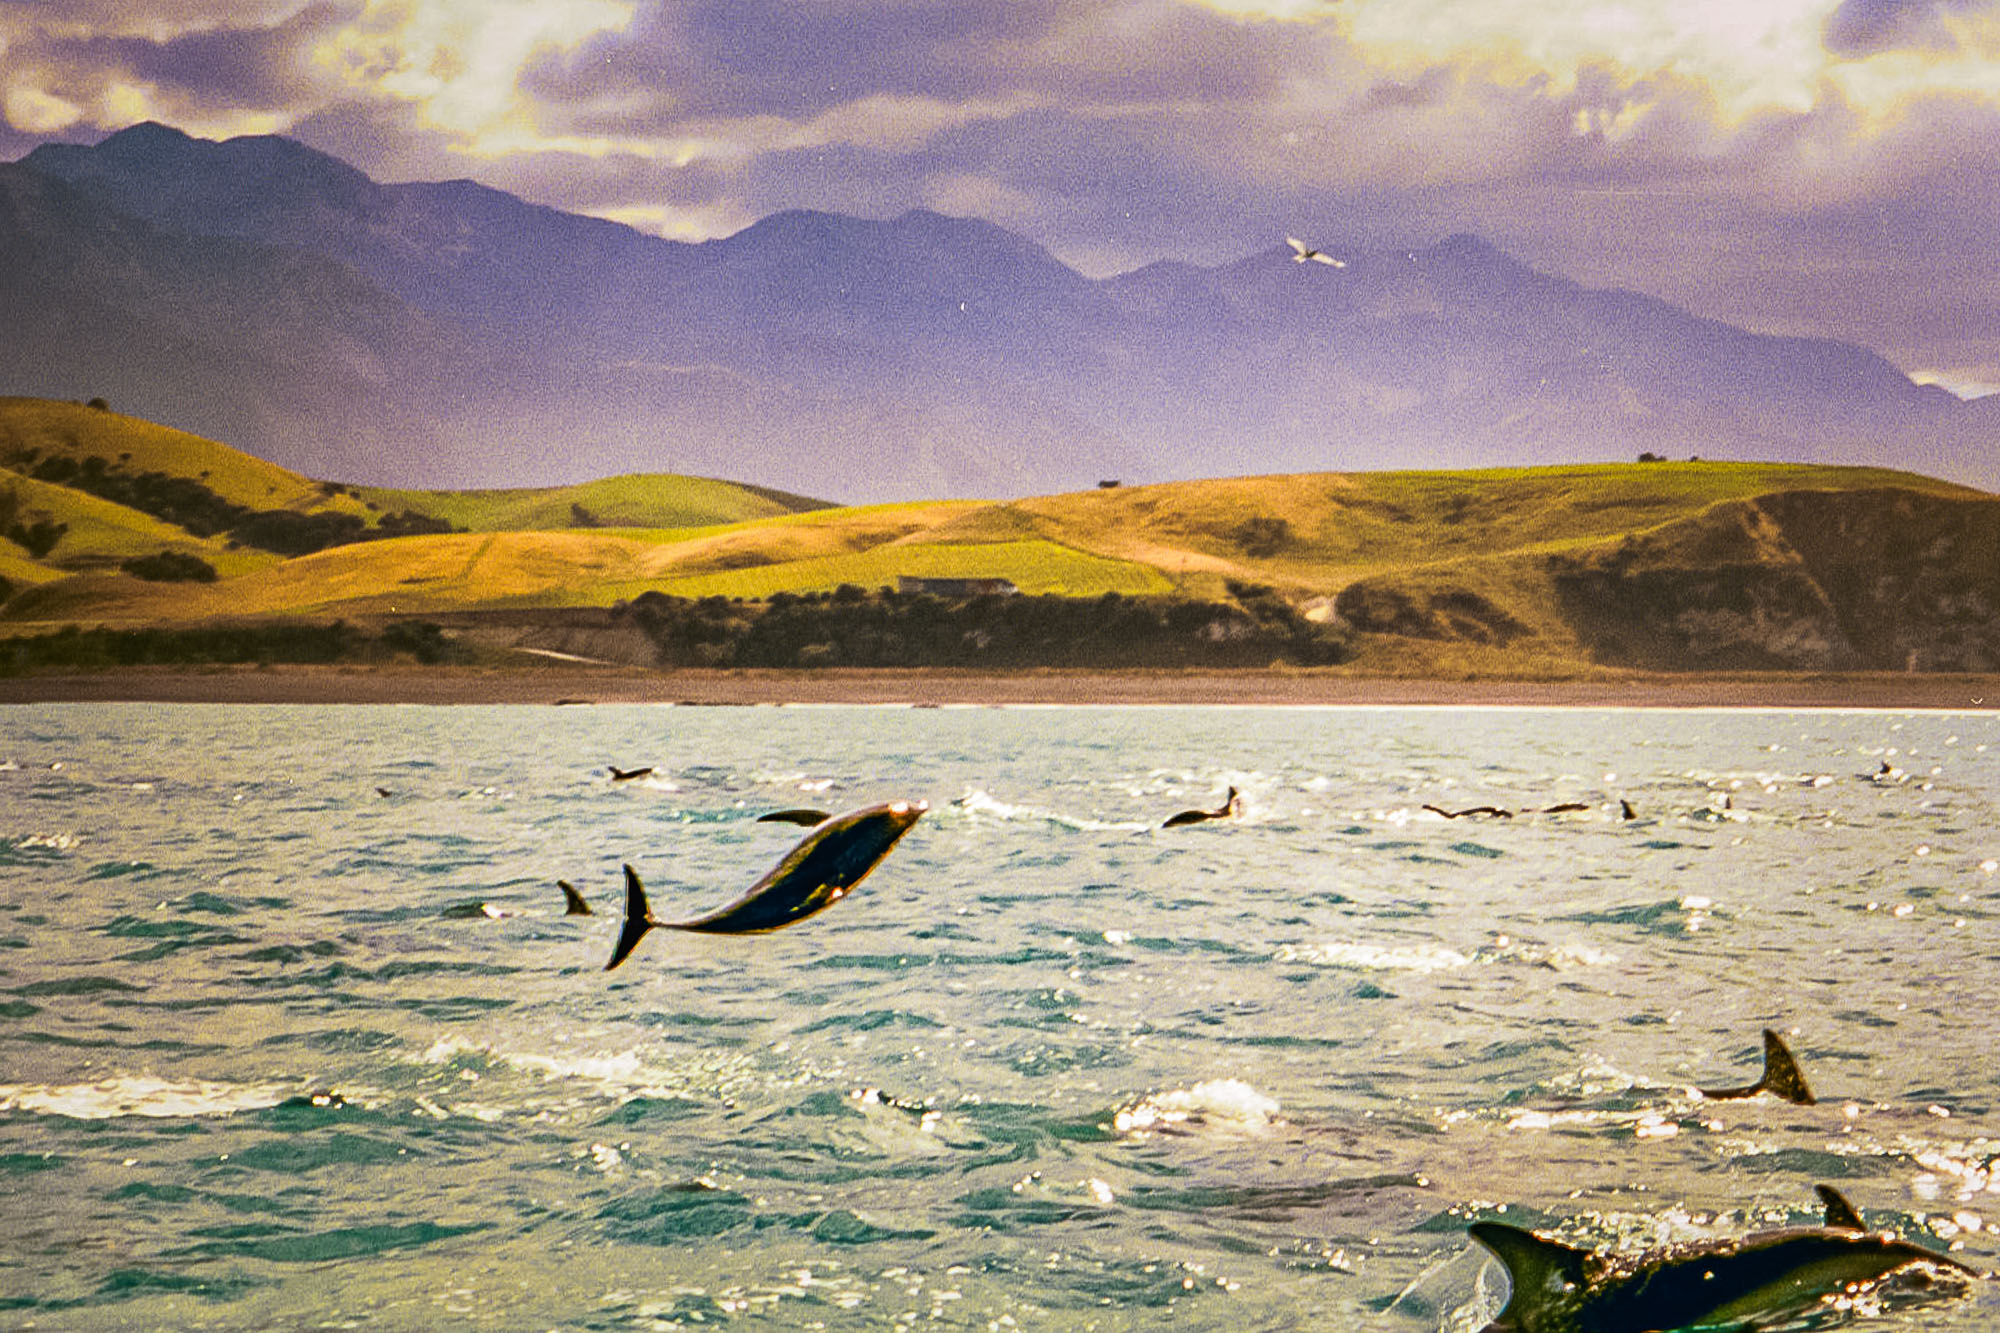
(1375, 957)
(55, 842)
(619, 1074)
(980, 804)
(140, 1095)
(1227, 1104)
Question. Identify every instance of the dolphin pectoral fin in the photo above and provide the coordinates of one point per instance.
(1840, 1214)
(1781, 1072)
(574, 905)
(1537, 1268)
(638, 919)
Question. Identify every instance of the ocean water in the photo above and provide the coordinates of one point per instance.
(293, 1032)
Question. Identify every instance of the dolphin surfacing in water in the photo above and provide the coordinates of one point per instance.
(812, 877)
(1782, 1077)
(1558, 1288)
(1231, 806)
(573, 903)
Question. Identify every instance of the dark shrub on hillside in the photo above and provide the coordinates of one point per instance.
(423, 640)
(97, 648)
(187, 503)
(1262, 536)
(182, 501)
(895, 629)
(37, 538)
(410, 523)
(288, 532)
(170, 567)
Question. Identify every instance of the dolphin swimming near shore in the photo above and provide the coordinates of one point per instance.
(1232, 805)
(573, 903)
(1782, 1077)
(812, 877)
(1737, 1284)
(628, 774)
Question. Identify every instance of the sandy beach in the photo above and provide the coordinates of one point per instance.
(563, 684)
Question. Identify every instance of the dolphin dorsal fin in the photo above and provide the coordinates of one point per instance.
(573, 903)
(1537, 1268)
(638, 919)
(1781, 1072)
(1840, 1214)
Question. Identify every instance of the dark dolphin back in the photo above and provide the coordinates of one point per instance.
(814, 875)
(1755, 1278)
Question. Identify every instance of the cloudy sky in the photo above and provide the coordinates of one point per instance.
(1795, 166)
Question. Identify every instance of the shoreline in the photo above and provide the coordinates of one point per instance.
(568, 684)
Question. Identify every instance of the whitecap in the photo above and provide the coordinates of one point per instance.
(1375, 957)
(1227, 1104)
(139, 1095)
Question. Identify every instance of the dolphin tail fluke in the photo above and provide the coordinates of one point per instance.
(1535, 1266)
(638, 919)
(1781, 1072)
(573, 903)
(1840, 1214)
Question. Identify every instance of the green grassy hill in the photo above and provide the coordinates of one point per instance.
(1535, 570)
(645, 500)
(37, 428)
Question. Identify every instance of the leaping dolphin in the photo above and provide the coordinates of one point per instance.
(1782, 1077)
(812, 877)
(1558, 1288)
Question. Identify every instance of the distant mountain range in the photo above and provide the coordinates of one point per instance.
(262, 293)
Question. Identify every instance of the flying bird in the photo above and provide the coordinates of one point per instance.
(1301, 252)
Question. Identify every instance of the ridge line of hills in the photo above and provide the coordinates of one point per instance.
(450, 335)
(1552, 571)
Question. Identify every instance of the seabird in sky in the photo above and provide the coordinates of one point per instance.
(1301, 252)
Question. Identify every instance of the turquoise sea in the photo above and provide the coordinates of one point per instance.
(281, 1050)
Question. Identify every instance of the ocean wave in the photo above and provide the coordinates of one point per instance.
(618, 1075)
(1226, 1104)
(1375, 957)
(983, 805)
(140, 1095)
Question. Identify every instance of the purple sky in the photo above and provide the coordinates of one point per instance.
(1795, 166)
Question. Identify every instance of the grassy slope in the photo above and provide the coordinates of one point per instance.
(102, 533)
(72, 430)
(643, 500)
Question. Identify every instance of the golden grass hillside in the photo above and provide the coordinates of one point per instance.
(1471, 571)
(98, 534)
(641, 500)
(43, 428)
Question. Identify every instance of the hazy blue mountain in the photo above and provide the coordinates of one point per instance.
(471, 338)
